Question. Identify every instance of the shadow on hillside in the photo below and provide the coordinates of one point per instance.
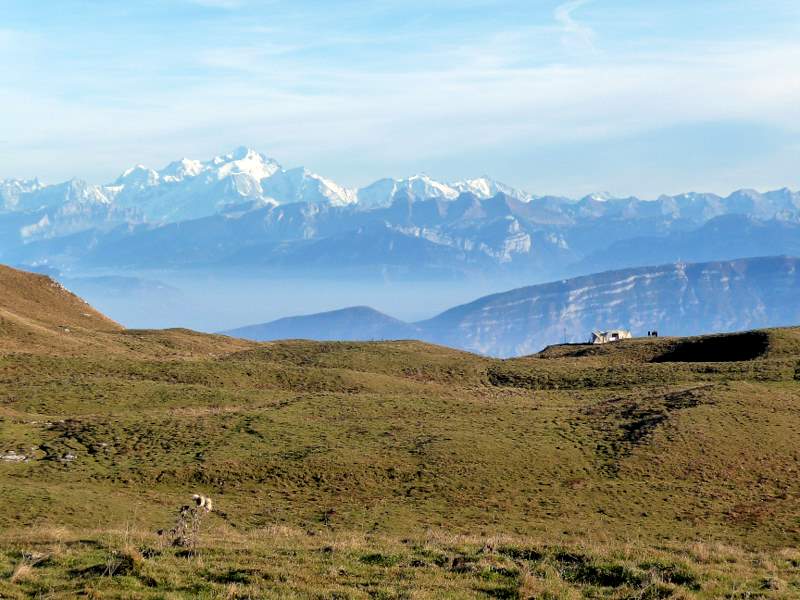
(719, 348)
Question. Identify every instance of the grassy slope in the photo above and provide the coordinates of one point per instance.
(389, 441)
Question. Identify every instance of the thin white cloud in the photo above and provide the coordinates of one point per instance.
(574, 33)
(431, 112)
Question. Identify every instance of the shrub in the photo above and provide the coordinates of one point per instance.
(186, 532)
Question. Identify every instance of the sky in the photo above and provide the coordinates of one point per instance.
(554, 97)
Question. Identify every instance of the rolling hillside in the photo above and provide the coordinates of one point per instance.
(396, 468)
(37, 312)
(38, 315)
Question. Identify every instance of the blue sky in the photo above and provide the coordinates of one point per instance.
(563, 97)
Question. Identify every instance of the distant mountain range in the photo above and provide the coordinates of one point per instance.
(675, 299)
(190, 189)
(244, 211)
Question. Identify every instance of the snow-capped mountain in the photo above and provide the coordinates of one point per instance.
(301, 185)
(11, 190)
(191, 189)
(21, 196)
(484, 187)
(32, 211)
(384, 192)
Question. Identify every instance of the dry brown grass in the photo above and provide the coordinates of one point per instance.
(24, 568)
(21, 572)
(546, 584)
(287, 562)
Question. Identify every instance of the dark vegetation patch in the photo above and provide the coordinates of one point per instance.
(502, 592)
(628, 421)
(602, 574)
(435, 556)
(675, 573)
(116, 565)
(571, 375)
(233, 575)
(639, 421)
(736, 347)
(380, 560)
(517, 553)
(566, 557)
(634, 350)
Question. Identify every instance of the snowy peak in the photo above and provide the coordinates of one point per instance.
(190, 189)
(78, 190)
(244, 161)
(597, 197)
(11, 190)
(378, 194)
(138, 176)
(240, 153)
(72, 192)
(181, 169)
(422, 187)
(485, 187)
(301, 185)
(482, 186)
(417, 187)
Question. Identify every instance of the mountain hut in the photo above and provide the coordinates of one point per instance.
(613, 335)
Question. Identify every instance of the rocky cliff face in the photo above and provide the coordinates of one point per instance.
(676, 299)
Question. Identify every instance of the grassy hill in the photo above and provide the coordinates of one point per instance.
(645, 469)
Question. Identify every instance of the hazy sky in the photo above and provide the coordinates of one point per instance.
(628, 96)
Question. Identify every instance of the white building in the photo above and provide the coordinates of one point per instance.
(613, 335)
